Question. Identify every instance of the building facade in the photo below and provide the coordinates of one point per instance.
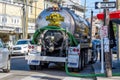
(10, 19)
(11, 16)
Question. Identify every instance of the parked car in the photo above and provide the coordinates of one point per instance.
(4, 58)
(21, 47)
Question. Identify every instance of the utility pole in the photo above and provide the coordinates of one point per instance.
(26, 32)
(25, 19)
(35, 11)
(108, 66)
(84, 8)
(118, 33)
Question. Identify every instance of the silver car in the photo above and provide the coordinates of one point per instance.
(4, 58)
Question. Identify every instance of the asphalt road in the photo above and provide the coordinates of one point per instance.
(20, 71)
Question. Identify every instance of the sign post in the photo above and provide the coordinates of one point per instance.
(103, 34)
(105, 5)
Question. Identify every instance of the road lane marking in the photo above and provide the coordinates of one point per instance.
(71, 78)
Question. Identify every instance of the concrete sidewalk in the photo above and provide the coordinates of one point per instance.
(115, 69)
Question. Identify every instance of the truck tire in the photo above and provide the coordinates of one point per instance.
(35, 67)
(82, 59)
(79, 65)
(32, 67)
(46, 65)
(86, 57)
(7, 67)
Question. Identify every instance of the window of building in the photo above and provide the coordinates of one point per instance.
(12, 20)
(17, 21)
(0, 19)
(31, 9)
(4, 20)
(21, 1)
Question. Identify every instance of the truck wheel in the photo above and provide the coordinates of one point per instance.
(45, 65)
(82, 59)
(32, 67)
(7, 67)
(79, 65)
(39, 67)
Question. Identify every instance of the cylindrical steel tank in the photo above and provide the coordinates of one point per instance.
(72, 22)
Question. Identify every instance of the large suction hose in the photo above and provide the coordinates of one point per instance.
(73, 42)
(86, 75)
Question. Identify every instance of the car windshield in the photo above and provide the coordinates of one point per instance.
(22, 42)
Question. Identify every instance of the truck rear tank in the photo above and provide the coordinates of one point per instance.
(55, 40)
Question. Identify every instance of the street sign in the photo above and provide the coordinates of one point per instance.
(103, 31)
(103, 5)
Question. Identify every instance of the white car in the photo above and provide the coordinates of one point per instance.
(4, 58)
(21, 47)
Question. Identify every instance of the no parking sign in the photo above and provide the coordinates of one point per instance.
(103, 31)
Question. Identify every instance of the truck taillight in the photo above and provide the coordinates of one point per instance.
(75, 50)
(31, 47)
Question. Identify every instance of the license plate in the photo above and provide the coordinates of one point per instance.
(35, 61)
(73, 64)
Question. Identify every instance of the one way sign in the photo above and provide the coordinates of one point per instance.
(103, 5)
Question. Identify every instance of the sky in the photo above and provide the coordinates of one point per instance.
(90, 5)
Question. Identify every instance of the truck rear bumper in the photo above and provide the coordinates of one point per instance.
(46, 58)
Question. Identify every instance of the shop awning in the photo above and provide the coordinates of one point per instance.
(112, 15)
